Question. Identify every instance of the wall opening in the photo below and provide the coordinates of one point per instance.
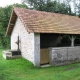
(49, 40)
(46, 41)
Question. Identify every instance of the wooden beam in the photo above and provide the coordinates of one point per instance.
(12, 24)
(72, 38)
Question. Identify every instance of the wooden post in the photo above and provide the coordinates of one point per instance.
(72, 41)
(72, 38)
(18, 42)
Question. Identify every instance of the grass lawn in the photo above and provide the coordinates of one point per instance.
(21, 69)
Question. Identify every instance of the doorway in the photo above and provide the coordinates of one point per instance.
(47, 40)
(44, 56)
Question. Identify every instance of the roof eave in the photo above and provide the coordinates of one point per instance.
(11, 23)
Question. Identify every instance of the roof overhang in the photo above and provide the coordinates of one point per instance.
(11, 23)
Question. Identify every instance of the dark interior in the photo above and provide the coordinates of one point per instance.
(56, 40)
(16, 52)
(49, 40)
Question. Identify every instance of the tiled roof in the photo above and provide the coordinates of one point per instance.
(44, 22)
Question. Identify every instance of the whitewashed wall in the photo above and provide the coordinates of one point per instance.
(26, 41)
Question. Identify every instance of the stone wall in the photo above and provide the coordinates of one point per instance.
(26, 43)
(64, 55)
(37, 49)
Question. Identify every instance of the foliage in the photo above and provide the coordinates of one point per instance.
(5, 13)
(50, 6)
(76, 6)
(21, 69)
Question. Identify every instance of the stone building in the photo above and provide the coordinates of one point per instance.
(40, 32)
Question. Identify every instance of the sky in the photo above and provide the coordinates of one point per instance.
(4, 3)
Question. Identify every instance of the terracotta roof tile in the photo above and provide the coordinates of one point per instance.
(45, 22)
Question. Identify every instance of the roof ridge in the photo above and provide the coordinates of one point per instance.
(44, 11)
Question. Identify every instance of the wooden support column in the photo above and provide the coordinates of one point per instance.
(17, 42)
(72, 38)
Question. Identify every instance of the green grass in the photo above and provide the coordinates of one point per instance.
(21, 69)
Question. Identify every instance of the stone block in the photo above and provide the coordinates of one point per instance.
(7, 54)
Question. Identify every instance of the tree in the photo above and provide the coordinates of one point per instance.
(49, 6)
(5, 13)
(76, 6)
(36, 4)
